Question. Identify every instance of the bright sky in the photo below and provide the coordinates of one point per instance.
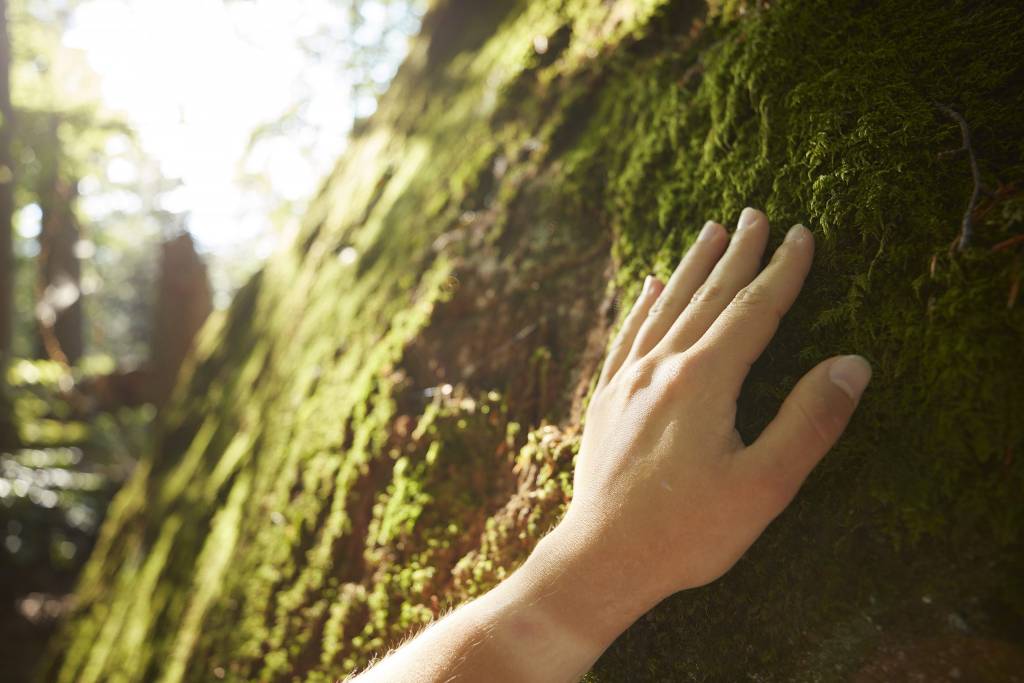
(196, 77)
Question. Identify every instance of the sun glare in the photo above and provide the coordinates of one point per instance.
(197, 77)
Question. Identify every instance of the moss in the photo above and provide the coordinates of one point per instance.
(361, 445)
(849, 147)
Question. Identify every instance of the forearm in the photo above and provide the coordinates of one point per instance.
(549, 621)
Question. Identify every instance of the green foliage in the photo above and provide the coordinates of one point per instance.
(64, 132)
(384, 422)
(59, 469)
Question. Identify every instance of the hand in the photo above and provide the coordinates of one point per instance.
(666, 494)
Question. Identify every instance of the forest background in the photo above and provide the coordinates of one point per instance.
(134, 201)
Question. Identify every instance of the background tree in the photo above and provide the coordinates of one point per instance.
(6, 193)
(183, 303)
(59, 281)
(8, 432)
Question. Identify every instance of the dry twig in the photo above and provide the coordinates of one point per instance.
(967, 225)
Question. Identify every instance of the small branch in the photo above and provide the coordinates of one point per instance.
(967, 226)
(1006, 244)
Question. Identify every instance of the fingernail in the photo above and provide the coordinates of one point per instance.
(796, 234)
(851, 374)
(747, 218)
(708, 231)
(648, 281)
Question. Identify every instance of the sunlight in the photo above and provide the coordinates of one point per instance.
(196, 78)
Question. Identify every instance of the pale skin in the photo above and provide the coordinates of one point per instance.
(666, 496)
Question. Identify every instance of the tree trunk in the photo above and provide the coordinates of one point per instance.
(385, 422)
(59, 295)
(183, 303)
(6, 193)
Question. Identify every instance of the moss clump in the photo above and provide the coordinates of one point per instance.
(361, 445)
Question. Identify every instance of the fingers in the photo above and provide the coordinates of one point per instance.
(634, 319)
(736, 339)
(739, 265)
(688, 276)
(808, 424)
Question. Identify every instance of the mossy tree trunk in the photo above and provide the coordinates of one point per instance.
(384, 422)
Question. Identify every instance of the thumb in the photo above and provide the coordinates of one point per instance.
(809, 423)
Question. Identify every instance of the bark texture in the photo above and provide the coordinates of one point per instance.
(384, 422)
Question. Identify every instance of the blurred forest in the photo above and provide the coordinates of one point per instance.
(103, 289)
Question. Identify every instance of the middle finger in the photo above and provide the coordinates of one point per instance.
(732, 273)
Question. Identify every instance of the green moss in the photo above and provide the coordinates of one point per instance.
(849, 146)
(361, 445)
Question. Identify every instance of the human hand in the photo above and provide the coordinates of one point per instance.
(666, 494)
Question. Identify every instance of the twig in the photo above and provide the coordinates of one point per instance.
(1006, 244)
(967, 226)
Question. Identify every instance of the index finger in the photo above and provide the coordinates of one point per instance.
(740, 334)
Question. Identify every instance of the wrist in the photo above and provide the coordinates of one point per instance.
(589, 593)
(549, 621)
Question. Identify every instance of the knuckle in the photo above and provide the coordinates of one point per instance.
(697, 357)
(680, 370)
(636, 378)
(751, 295)
(709, 291)
(817, 416)
(756, 296)
(771, 484)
